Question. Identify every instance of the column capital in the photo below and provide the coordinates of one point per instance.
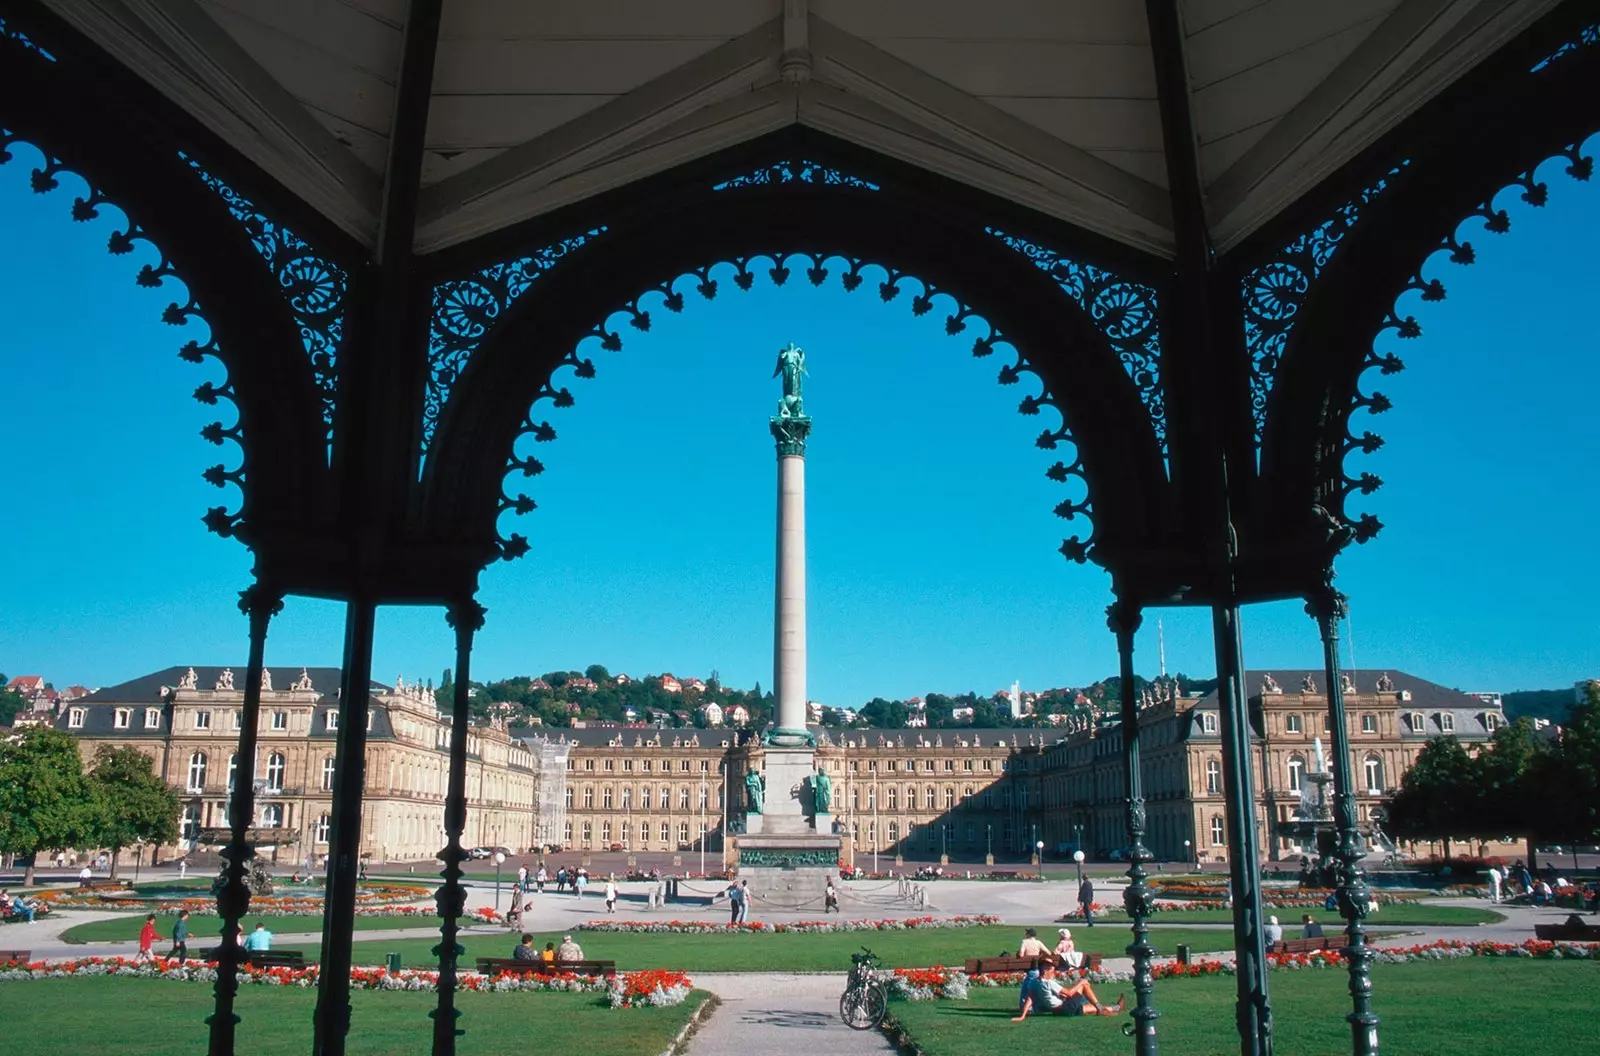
(791, 432)
(258, 599)
(1124, 616)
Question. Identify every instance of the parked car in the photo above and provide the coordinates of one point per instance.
(481, 852)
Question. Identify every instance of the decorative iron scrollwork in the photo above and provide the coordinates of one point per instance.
(802, 171)
(1274, 293)
(1533, 192)
(23, 41)
(313, 285)
(466, 309)
(1124, 311)
(123, 241)
(818, 268)
(1587, 37)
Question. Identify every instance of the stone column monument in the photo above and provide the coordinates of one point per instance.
(789, 848)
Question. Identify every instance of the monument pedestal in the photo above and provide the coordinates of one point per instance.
(785, 854)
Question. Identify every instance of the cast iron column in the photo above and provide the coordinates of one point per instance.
(332, 1015)
(466, 617)
(1124, 618)
(1327, 606)
(260, 604)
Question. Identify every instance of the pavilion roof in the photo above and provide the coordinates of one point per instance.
(1052, 105)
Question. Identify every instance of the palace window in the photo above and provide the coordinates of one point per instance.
(929, 798)
(566, 834)
(327, 774)
(1447, 721)
(894, 832)
(950, 797)
(324, 826)
(649, 765)
(627, 766)
(1369, 724)
(872, 797)
(1293, 724)
(1218, 833)
(627, 798)
(605, 832)
(609, 764)
(75, 719)
(666, 797)
(1374, 773)
(120, 719)
(272, 816)
(1208, 722)
(666, 834)
(275, 768)
(197, 772)
(190, 826)
(1491, 721)
(683, 798)
(705, 796)
(988, 799)
(280, 720)
(605, 801)
(569, 797)
(1297, 773)
(949, 765)
(644, 835)
(1213, 777)
(152, 718)
(238, 718)
(644, 797)
(588, 798)
(855, 765)
(330, 720)
(202, 720)
(894, 798)
(683, 765)
(894, 765)
(927, 765)
(588, 833)
(966, 765)
(233, 769)
(1418, 723)
(683, 832)
(588, 764)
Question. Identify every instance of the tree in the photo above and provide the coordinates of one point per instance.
(46, 803)
(1436, 795)
(134, 806)
(1564, 780)
(11, 704)
(597, 673)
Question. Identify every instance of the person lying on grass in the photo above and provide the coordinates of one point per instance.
(1079, 999)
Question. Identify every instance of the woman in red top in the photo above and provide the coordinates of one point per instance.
(147, 938)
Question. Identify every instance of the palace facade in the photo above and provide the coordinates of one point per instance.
(962, 795)
(186, 720)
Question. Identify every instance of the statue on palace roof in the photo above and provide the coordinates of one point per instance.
(1270, 684)
(225, 680)
(266, 680)
(1385, 683)
(1308, 684)
(1348, 682)
(303, 683)
(190, 680)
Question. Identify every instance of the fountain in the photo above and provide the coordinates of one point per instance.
(1312, 825)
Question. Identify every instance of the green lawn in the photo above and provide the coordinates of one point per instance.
(1431, 1009)
(204, 926)
(798, 953)
(1408, 914)
(152, 1017)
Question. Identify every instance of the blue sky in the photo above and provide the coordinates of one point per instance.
(933, 563)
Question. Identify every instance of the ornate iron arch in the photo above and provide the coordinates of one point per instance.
(1348, 320)
(826, 228)
(233, 308)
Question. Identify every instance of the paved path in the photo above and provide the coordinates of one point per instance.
(780, 1015)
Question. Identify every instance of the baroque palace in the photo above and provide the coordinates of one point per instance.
(959, 794)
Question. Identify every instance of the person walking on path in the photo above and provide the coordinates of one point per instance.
(830, 898)
(1495, 879)
(611, 894)
(183, 868)
(147, 939)
(541, 878)
(744, 901)
(1086, 900)
(561, 879)
(735, 903)
(522, 877)
(180, 936)
(581, 882)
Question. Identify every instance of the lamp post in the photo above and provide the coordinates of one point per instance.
(1077, 856)
(988, 844)
(1038, 855)
(705, 794)
(499, 860)
(1188, 856)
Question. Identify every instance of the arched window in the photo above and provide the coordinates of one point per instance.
(197, 772)
(894, 798)
(1447, 721)
(644, 795)
(666, 835)
(683, 832)
(272, 816)
(233, 769)
(894, 832)
(666, 795)
(566, 832)
(569, 797)
(1297, 773)
(929, 800)
(322, 829)
(1418, 723)
(1374, 773)
(1213, 777)
(588, 833)
(1218, 832)
(1208, 722)
(605, 832)
(327, 774)
(275, 768)
(627, 797)
(683, 798)
(605, 801)
(950, 797)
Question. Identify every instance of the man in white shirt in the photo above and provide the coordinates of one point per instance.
(1051, 996)
(1496, 878)
(1273, 932)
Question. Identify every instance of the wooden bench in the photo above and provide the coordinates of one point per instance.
(96, 883)
(15, 956)
(496, 965)
(275, 958)
(1010, 963)
(1322, 942)
(1573, 929)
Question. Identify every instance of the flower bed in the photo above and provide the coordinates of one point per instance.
(1443, 950)
(799, 927)
(627, 989)
(373, 900)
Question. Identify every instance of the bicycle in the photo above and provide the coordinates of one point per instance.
(864, 1002)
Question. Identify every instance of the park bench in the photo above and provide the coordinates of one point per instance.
(275, 958)
(1573, 929)
(1010, 963)
(99, 883)
(15, 956)
(496, 965)
(1322, 942)
(1003, 874)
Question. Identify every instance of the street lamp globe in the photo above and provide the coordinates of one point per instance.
(1077, 856)
(499, 859)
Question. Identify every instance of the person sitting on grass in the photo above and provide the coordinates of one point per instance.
(1051, 996)
(524, 950)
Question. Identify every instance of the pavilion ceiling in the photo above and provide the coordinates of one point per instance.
(1049, 104)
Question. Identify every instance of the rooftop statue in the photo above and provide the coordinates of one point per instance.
(266, 681)
(225, 680)
(189, 680)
